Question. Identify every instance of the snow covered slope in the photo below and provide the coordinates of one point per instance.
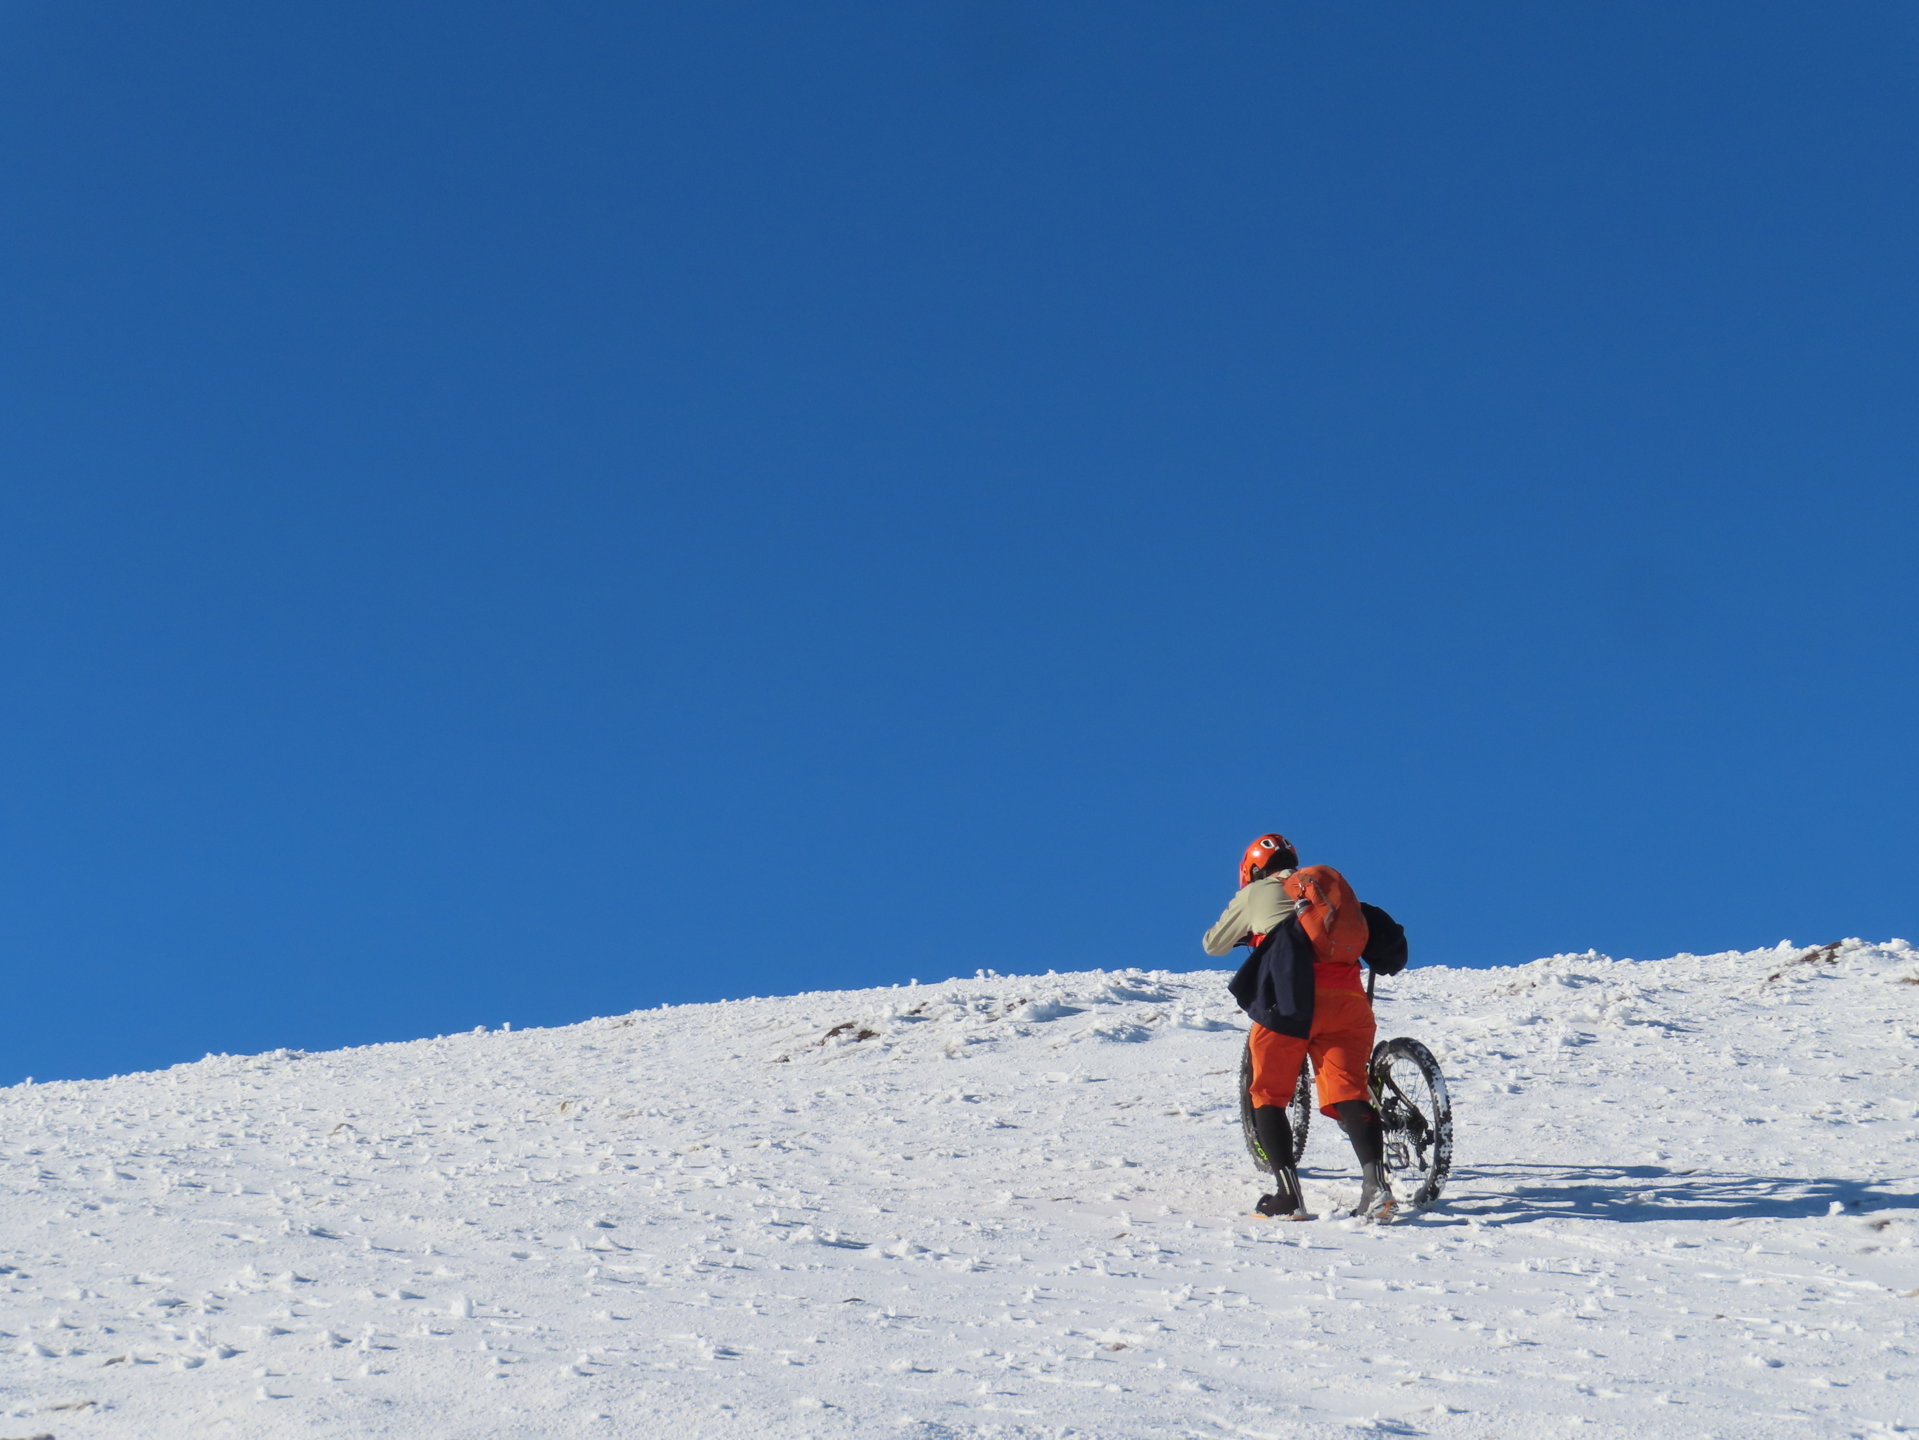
(1684, 1205)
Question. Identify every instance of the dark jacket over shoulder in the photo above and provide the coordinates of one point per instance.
(1275, 985)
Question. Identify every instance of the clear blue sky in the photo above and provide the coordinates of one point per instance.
(514, 512)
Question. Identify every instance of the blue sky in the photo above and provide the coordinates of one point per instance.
(519, 512)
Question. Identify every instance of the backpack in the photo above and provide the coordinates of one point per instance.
(1329, 913)
(1385, 952)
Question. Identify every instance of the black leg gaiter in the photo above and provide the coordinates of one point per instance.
(1361, 1123)
(1275, 1134)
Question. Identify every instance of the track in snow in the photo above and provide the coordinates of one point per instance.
(1684, 1202)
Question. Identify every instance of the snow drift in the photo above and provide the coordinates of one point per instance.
(1684, 1200)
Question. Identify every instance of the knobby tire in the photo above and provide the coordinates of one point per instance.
(1416, 1115)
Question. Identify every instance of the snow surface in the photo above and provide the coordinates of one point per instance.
(1684, 1204)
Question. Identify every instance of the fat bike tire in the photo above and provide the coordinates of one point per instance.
(1300, 1112)
(1416, 1114)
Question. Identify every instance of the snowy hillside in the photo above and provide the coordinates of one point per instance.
(1684, 1203)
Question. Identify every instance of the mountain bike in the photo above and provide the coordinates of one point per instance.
(1415, 1114)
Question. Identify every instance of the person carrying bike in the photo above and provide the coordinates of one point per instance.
(1303, 992)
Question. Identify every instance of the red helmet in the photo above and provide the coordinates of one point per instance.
(1272, 851)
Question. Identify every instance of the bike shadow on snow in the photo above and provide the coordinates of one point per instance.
(1518, 1194)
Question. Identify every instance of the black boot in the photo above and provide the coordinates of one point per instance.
(1285, 1202)
(1376, 1198)
(1275, 1134)
(1361, 1123)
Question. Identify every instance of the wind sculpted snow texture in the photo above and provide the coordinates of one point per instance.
(1684, 1205)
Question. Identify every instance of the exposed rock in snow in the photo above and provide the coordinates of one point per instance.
(1684, 1202)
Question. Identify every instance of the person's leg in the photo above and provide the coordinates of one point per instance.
(1274, 1130)
(1342, 1049)
(1361, 1123)
(1276, 1062)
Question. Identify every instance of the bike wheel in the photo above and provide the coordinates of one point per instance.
(1416, 1115)
(1300, 1112)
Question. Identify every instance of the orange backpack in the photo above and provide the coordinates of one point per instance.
(1329, 913)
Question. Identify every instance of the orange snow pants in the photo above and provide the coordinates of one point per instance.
(1341, 1044)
